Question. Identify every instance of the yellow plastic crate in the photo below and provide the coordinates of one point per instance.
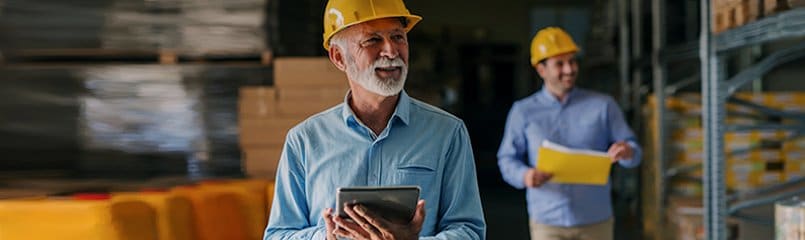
(174, 213)
(251, 193)
(218, 215)
(76, 220)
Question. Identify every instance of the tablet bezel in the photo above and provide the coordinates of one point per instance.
(406, 196)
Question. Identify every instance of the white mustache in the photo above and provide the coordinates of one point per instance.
(386, 63)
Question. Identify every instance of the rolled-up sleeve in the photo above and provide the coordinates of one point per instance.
(620, 131)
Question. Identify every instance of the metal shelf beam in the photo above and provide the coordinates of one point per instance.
(766, 65)
(713, 114)
(772, 127)
(767, 110)
(787, 24)
(766, 189)
(764, 201)
(658, 77)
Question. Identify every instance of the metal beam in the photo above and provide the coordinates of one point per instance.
(658, 76)
(713, 114)
(638, 62)
(624, 56)
(767, 110)
(766, 65)
(773, 127)
(766, 189)
(764, 201)
(787, 24)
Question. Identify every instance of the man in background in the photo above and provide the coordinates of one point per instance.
(562, 113)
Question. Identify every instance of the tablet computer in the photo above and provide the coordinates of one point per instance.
(393, 203)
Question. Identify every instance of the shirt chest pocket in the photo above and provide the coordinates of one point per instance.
(420, 173)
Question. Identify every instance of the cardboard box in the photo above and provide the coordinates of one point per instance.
(794, 155)
(769, 177)
(254, 108)
(303, 109)
(686, 214)
(258, 92)
(691, 156)
(791, 175)
(767, 155)
(688, 134)
(333, 95)
(686, 188)
(262, 123)
(307, 72)
(794, 144)
(261, 162)
(262, 132)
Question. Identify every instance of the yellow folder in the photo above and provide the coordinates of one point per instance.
(573, 166)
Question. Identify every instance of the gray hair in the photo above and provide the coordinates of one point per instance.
(339, 40)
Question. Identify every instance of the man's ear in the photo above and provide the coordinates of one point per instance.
(337, 57)
(540, 67)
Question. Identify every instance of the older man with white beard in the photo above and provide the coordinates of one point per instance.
(379, 136)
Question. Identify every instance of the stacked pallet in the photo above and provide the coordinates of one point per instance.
(753, 158)
(302, 87)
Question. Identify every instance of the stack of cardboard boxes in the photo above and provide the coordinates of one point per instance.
(754, 157)
(728, 14)
(302, 88)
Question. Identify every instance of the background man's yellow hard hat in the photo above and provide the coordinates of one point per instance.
(549, 42)
(340, 14)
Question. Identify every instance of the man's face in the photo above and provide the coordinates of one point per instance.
(377, 55)
(559, 72)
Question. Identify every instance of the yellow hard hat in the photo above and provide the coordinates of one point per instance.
(340, 14)
(549, 42)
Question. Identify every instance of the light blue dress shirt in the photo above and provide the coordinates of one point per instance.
(421, 145)
(585, 120)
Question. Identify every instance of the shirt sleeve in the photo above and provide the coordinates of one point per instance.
(620, 131)
(289, 209)
(512, 159)
(460, 212)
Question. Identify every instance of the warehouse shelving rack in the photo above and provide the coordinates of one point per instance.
(712, 51)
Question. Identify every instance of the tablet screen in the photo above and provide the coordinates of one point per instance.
(393, 203)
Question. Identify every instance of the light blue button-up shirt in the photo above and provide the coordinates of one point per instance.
(421, 145)
(585, 120)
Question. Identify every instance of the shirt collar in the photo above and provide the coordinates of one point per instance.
(402, 111)
(546, 95)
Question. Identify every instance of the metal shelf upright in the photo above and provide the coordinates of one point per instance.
(716, 88)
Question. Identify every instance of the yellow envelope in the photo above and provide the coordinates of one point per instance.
(573, 166)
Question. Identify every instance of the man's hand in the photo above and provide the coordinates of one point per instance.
(534, 178)
(619, 150)
(328, 221)
(367, 225)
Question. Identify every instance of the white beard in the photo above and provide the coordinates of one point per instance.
(371, 82)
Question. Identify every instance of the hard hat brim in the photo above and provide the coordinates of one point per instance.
(536, 61)
(412, 20)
